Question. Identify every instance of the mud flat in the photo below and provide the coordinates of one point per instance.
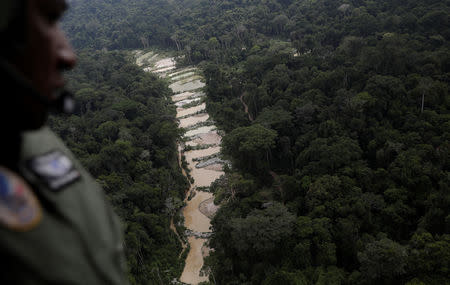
(211, 138)
(186, 86)
(182, 96)
(183, 75)
(181, 112)
(199, 131)
(192, 120)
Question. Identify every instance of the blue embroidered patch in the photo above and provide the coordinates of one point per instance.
(19, 208)
(55, 169)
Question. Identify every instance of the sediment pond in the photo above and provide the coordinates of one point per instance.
(186, 84)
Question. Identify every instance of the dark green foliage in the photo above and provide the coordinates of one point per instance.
(346, 139)
(118, 134)
(102, 24)
(250, 147)
(345, 143)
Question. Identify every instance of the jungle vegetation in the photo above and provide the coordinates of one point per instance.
(340, 168)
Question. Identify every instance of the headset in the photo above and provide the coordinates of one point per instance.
(12, 29)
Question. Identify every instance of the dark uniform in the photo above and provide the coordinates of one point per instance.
(56, 225)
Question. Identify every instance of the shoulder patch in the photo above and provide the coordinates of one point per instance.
(20, 210)
(55, 169)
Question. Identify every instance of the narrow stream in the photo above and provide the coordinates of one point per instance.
(186, 85)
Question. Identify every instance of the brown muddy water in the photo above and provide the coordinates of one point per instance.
(199, 204)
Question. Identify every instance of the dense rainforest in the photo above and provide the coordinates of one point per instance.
(336, 116)
(124, 132)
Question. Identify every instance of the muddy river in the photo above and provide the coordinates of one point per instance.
(186, 84)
